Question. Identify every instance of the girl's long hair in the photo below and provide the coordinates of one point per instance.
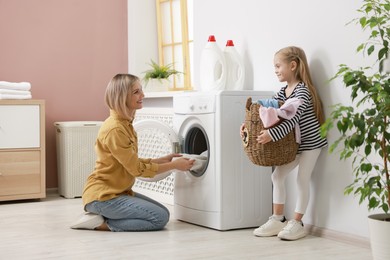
(293, 53)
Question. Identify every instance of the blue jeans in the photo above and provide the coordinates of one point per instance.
(131, 213)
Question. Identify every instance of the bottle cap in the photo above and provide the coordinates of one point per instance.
(211, 38)
(229, 43)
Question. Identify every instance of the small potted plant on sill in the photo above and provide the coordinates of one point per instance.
(365, 129)
(157, 78)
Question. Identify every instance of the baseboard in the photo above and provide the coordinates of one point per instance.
(338, 236)
(52, 191)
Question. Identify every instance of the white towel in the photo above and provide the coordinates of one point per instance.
(15, 92)
(15, 85)
(200, 160)
(11, 96)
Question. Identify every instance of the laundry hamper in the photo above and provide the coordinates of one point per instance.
(276, 153)
(75, 141)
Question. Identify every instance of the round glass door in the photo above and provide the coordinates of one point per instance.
(196, 144)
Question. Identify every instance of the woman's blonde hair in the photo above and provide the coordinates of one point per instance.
(302, 73)
(117, 92)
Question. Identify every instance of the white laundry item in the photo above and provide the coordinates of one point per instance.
(12, 96)
(205, 153)
(15, 85)
(14, 92)
(199, 164)
(200, 160)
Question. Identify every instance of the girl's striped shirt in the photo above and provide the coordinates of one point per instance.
(305, 117)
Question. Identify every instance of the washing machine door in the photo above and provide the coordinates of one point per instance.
(196, 143)
(155, 139)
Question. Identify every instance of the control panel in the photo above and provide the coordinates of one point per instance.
(194, 104)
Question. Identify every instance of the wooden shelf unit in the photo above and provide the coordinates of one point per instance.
(22, 150)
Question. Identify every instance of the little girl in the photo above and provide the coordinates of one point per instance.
(291, 66)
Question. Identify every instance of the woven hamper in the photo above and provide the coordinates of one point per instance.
(276, 153)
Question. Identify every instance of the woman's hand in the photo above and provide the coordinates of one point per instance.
(264, 137)
(183, 164)
(166, 163)
(166, 158)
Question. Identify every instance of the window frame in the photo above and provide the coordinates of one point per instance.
(184, 43)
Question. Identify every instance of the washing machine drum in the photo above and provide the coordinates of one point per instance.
(157, 139)
(196, 143)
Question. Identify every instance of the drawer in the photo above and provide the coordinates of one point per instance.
(20, 173)
(19, 126)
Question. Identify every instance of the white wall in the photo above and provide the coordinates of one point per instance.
(142, 36)
(259, 29)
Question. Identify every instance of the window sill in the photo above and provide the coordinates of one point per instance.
(161, 94)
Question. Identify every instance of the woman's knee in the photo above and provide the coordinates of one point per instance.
(162, 219)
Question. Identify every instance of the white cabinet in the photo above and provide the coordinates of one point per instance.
(22, 149)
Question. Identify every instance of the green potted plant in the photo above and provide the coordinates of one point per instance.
(365, 127)
(157, 78)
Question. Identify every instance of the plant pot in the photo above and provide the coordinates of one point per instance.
(379, 226)
(156, 85)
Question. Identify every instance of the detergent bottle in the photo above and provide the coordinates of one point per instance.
(212, 67)
(235, 67)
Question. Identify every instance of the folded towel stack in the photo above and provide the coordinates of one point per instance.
(13, 90)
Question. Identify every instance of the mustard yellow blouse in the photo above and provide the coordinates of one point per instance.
(117, 163)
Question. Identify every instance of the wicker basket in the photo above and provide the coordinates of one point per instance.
(276, 153)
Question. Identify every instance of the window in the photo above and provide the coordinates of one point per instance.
(175, 39)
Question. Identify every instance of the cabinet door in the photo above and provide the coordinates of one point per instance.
(19, 126)
(20, 173)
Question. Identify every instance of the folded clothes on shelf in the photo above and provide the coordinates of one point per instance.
(15, 85)
(15, 90)
(11, 96)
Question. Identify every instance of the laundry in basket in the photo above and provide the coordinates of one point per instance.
(276, 153)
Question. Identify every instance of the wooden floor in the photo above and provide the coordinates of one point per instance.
(40, 230)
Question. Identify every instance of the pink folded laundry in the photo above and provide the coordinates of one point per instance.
(15, 85)
(289, 108)
(270, 116)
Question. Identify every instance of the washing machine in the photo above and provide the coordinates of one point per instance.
(229, 192)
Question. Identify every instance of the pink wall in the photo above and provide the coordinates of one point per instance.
(68, 50)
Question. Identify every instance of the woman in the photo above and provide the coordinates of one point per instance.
(108, 198)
